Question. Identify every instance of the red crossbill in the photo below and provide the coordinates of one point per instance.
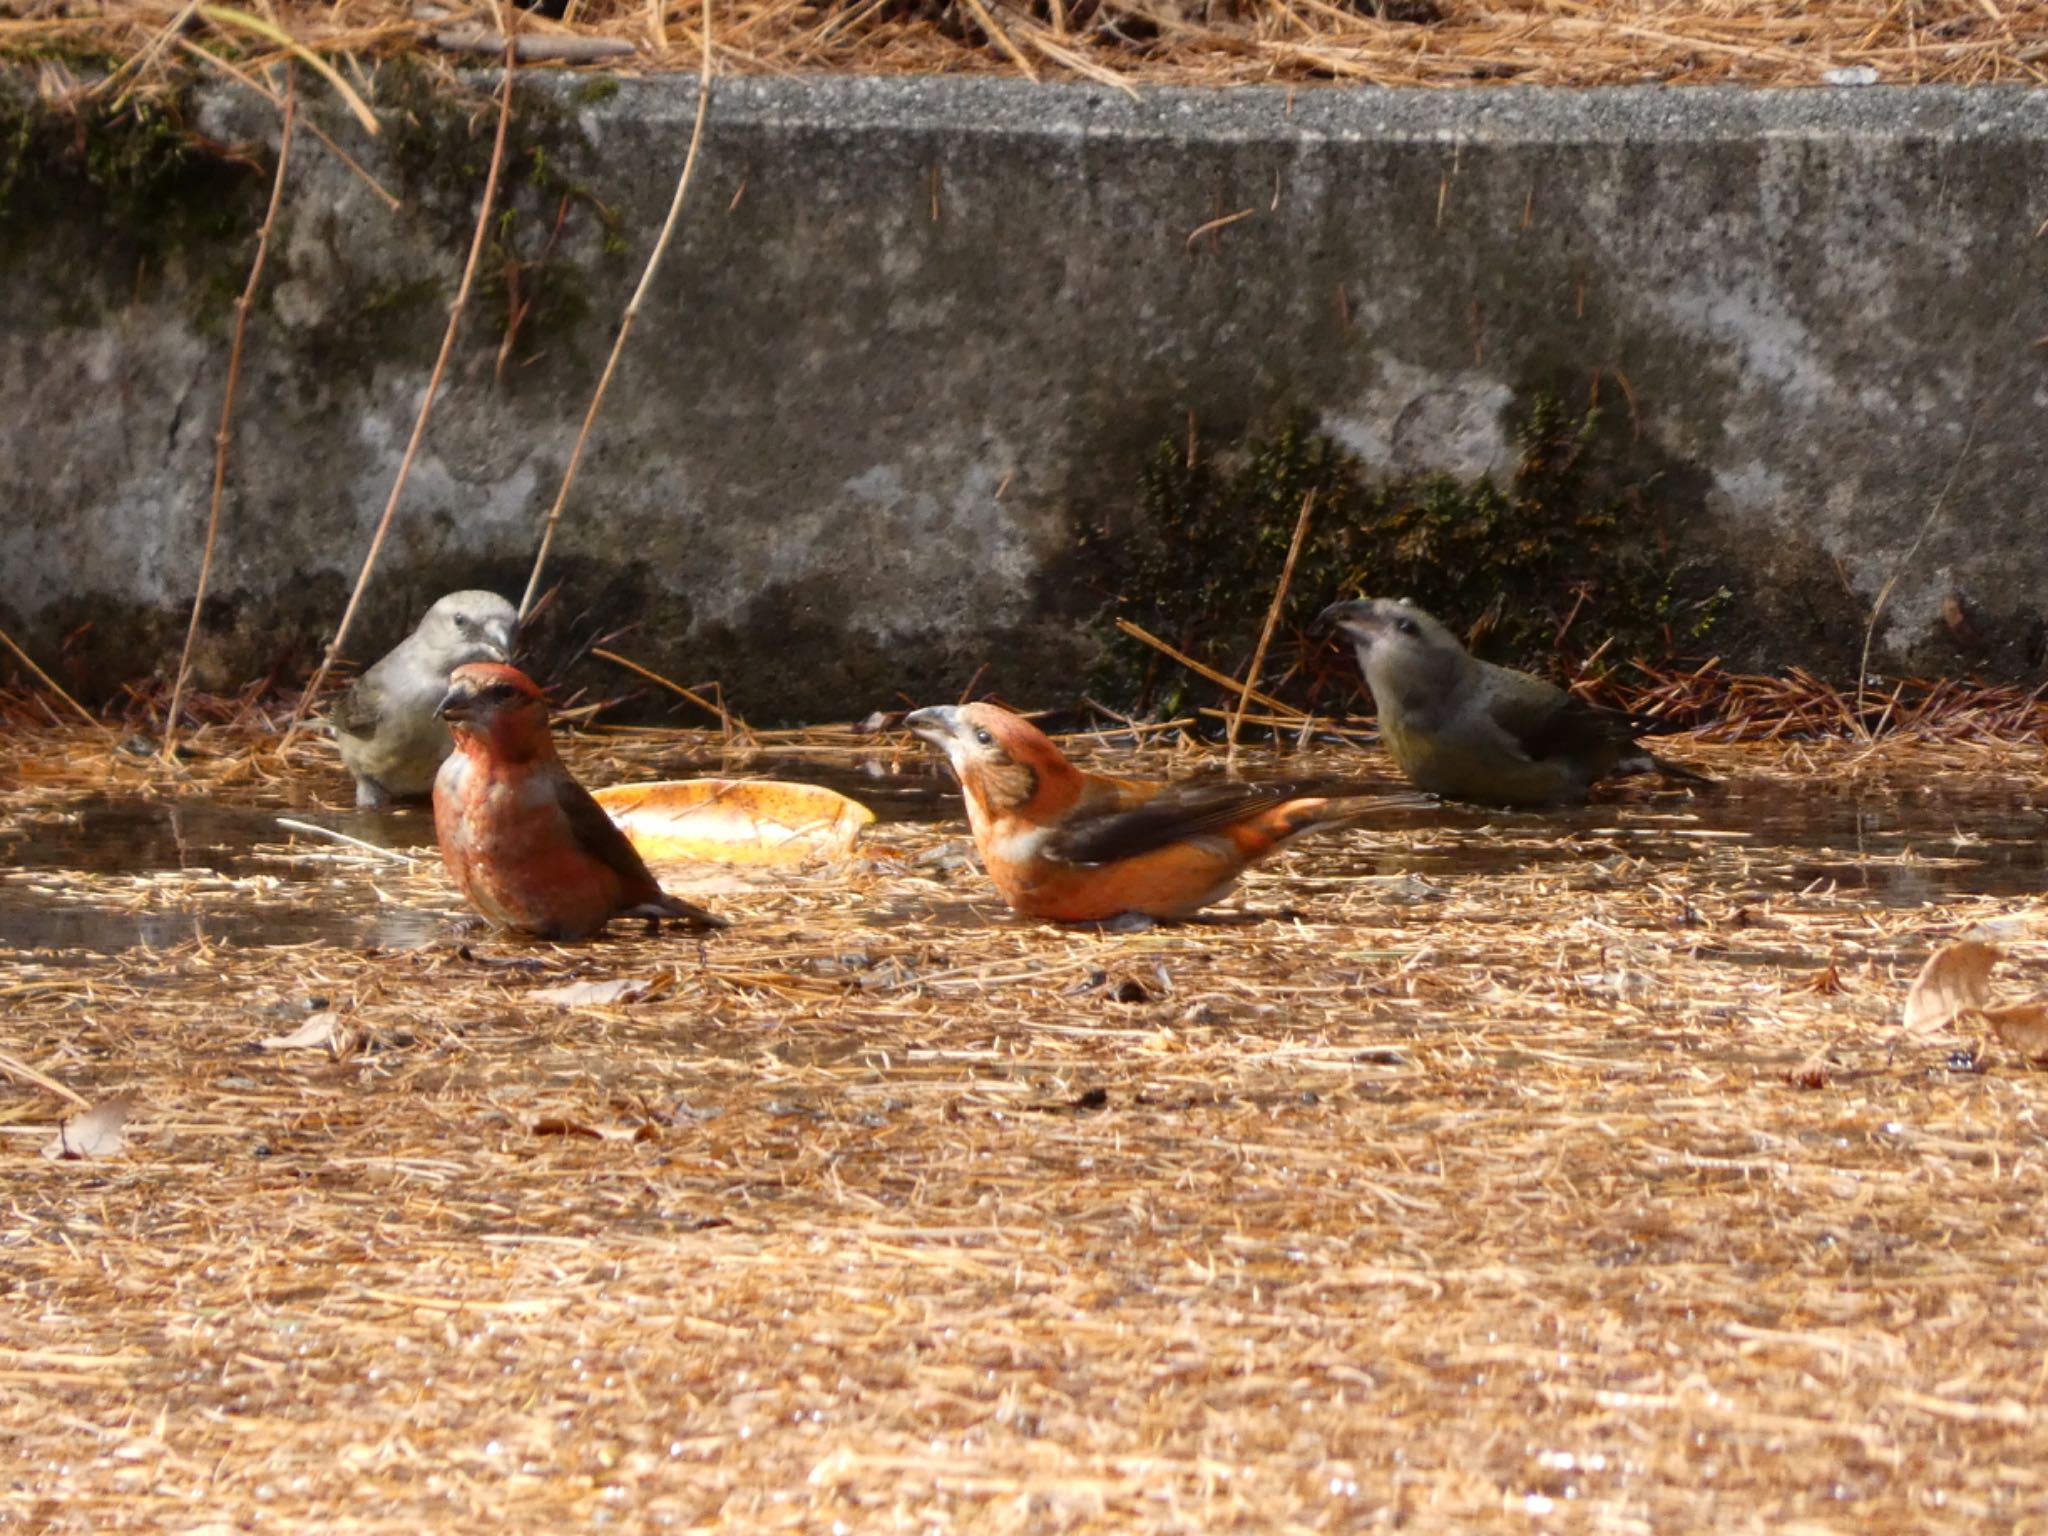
(1077, 847)
(1469, 730)
(522, 839)
(384, 725)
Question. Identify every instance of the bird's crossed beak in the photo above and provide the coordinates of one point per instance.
(936, 724)
(1359, 619)
(454, 704)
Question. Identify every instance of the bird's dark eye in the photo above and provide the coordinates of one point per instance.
(981, 735)
(1408, 626)
(501, 693)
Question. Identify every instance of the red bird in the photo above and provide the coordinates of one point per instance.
(1080, 847)
(522, 839)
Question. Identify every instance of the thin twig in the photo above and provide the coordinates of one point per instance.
(419, 426)
(223, 435)
(50, 683)
(1214, 225)
(137, 64)
(242, 77)
(17, 1068)
(611, 363)
(569, 49)
(725, 719)
(1308, 504)
(223, 16)
(1210, 673)
(314, 830)
(1885, 591)
(987, 22)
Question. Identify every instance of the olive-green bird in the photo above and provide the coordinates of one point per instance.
(390, 738)
(1466, 729)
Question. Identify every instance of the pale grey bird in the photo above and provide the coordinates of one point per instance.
(390, 740)
(1469, 730)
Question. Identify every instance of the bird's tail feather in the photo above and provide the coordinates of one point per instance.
(674, 906)
(1342, 810)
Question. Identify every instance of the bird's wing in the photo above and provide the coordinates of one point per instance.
(599, 836)
(1182, 810)
(356, 712)
(1547, 722)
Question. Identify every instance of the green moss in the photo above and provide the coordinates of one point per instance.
(596, 89)
(1577, 551)
(136, 175)
(440, 149)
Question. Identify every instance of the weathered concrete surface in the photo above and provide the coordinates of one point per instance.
(916, 335)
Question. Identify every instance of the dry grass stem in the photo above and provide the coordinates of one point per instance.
(242, 77)
(1251, 674)
(456, 309)
(731, 725)
(1434, 43)
(1905, 562)
(223, 435)
(1242, 688)
(1487, 1173)
(611, 362)
(50, 683)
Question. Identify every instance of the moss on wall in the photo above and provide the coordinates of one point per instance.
(534, 288)
(1577, 553)
(154, 195)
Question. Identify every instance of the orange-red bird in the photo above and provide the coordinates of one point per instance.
(522, 839)
(1080, 847)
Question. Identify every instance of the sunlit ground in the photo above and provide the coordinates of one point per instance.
(1483, 1171)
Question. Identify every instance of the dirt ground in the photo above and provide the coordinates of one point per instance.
(1500, 1172)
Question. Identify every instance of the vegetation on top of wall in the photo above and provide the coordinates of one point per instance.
(1576, 554)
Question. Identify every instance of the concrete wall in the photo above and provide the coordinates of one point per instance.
(916, 335)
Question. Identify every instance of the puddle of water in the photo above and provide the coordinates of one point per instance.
(198, 839)
(1893, 847)
(29, 924)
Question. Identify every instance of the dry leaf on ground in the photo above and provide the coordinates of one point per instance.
(2023, 1027)
(596, 994)
(94, 1133)
(319, 1032)
(561, 1125)
(1955, 979)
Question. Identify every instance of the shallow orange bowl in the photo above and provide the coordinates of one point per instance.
(735, 821)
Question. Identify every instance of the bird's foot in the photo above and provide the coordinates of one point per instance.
(1123, 922)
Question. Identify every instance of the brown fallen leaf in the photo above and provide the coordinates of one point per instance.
(596, 994)
(319, 1032)
(1955, 979)
(94, 1133)
(558, 1125)
(2021, 1026)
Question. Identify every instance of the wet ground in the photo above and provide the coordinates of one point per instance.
(1872, 840)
